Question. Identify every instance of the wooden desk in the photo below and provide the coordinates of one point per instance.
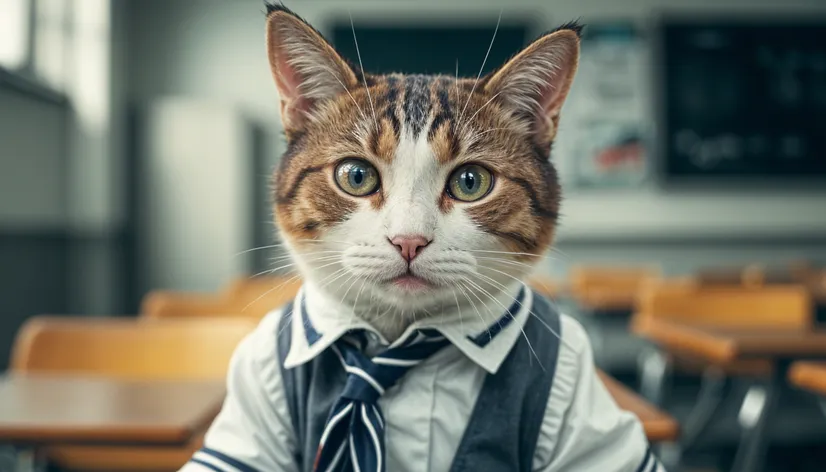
(658, 425)
(38, 410)
(813, 279)
(809, 375)
(726, 345)
(722, 346)
(608, 301)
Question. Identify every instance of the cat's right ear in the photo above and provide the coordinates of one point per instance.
(306, 68)
(536, 81)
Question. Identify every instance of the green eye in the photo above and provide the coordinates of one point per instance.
(469, 183)
(357, 177)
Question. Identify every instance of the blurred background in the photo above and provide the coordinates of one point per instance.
(137, 137)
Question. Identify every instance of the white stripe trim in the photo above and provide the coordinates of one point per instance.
(353, 456)
(361, 373)
(646, 462)
(416, 339)
(373, 435)
(373, 383)
(378, 416)
(336, 458)
(396, 362)
(212, 460)
(340, 355)
(333, 422)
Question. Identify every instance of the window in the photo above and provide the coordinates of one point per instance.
(14, 33)
(52, 42)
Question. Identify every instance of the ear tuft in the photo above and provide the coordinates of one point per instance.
(273, 6)
(573, 25)
(307, 70)
(536, 81)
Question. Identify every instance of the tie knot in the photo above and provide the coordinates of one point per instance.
(368, 379)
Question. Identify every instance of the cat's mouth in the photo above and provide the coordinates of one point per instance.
(411, 283)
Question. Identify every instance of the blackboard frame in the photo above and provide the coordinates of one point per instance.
(338, 32)
(662, 176)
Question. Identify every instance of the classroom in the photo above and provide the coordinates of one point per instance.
(636, 186)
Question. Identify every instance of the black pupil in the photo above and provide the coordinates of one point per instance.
(469, 181)
(357, 176)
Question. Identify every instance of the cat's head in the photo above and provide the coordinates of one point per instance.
(410, 191)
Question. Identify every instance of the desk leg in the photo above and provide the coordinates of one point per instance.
(27, 460)
(16, 459)
(751, 453)
(714, 390)
(655, 370)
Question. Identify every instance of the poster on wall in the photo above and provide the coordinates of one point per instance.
(608, 124)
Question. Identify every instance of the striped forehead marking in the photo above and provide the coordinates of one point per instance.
(445, 113)
(390, 100)
(421, 105)
(417, 104)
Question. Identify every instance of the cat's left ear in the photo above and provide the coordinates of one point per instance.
(536, 81)
(307, 69)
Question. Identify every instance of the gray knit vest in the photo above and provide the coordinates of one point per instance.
(502, 431)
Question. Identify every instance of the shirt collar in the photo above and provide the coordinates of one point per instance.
(484, 338)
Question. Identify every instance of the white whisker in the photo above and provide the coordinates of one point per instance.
(321, 241)
(355, 279)
(504, 290)
(480, 109)
(288, 281)
(470, 290)
(505, 261)
(482, 133)
(276, 288)
(306, 254)
(284, 266)
(259, 248)
(363, 76)
(457, 78)
(563, 341)
(459, 309)
(486, 293)
(481, 69)
(335, 276)
(510, 253)
(560, 252)
(355, 302)
(461, 289)
(346, 90)
(288, 323)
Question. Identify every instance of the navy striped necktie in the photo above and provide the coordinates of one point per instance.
(353, 439)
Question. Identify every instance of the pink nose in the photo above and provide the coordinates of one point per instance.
(409, 246)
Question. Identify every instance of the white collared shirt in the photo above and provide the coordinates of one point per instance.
(428, 409)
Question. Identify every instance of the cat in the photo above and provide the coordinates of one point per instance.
(402, 199)
(401, 195)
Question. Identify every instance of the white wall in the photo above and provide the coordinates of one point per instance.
(196, 214)
(216, 49)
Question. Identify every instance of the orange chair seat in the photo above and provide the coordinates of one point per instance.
(131, 349)
(126, 458)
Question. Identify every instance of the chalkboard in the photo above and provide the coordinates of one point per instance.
(426, 48)
(743, 101)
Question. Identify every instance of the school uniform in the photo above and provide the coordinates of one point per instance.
(314, 389)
